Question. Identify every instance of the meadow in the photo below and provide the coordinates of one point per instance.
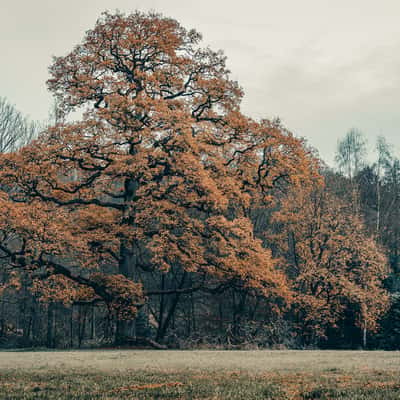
(146, 374)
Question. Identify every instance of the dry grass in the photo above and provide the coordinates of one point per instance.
(112, 374)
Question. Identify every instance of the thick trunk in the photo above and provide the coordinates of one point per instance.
(125, 328)
(127, 264)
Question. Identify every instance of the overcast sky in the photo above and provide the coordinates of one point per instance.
(322, 66)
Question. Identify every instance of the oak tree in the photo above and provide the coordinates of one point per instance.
(158, 177)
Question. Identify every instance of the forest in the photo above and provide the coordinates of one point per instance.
(150, 211)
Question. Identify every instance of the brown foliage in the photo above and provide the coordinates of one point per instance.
(333, 265)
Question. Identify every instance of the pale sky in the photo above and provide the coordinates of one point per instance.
(322, 66)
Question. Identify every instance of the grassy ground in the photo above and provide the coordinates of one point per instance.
(246, 375)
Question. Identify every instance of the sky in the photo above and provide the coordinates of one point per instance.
(321, 66)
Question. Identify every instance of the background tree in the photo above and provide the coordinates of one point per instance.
(15, 129)
(351, 152)
(377, 185)
(337, 271)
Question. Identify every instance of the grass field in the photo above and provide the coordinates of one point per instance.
(129, 374)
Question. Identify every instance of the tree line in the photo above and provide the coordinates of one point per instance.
(167, 217)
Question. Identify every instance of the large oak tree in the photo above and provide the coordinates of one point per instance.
(158, 177)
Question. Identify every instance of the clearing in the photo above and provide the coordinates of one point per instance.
(152, 374)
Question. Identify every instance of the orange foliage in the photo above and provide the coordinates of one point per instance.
(333, 264)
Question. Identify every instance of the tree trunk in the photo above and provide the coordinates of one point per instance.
(364, 336)
(50, 326)
(164, 323)
(127, 262)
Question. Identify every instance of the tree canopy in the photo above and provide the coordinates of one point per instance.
(160, 172)
(160, 178)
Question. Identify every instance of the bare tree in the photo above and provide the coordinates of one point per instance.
(351, 152)
(383, 162)
(15, 129)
